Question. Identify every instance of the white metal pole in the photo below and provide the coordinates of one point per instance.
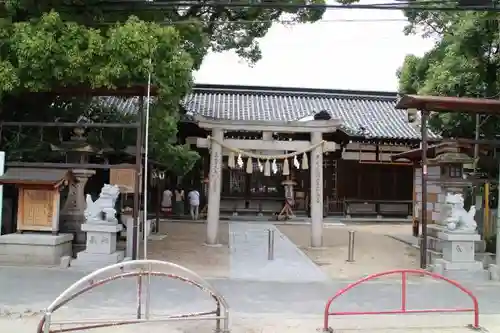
(497, 259)
(2, 170)
(145, 231)
(146, 156)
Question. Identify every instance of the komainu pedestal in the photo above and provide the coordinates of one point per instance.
(457, 234)
(458, 251)
(101, 227)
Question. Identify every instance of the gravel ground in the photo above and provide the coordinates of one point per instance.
(184, 245)
(374, 252)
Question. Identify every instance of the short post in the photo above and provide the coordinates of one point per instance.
(350, 246)
(270, 244)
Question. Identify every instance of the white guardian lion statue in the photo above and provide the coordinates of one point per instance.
(103, 209)
(456, 217)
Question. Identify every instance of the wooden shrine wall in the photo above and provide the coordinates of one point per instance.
(357, 180)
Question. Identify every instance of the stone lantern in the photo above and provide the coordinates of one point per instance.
(451, 164)
(454, 234)
(77, 150)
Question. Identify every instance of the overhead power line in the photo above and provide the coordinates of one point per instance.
(422, 6)
(295, 22)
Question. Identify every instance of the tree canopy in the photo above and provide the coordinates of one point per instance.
(464, 62)
(47, 44)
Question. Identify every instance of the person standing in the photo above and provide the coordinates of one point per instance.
(179, 201)
(166, 202)
(194, 203)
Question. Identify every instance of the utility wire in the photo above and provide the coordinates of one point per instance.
(291, 22)
(281, 21)
(421, 6)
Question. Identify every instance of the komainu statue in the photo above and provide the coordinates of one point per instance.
(456, 217)
(103, 209)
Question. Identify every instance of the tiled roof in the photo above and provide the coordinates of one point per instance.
(124, 105)
(363, 113)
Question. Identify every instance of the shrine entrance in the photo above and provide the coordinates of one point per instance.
(253, 193)
(248, 174)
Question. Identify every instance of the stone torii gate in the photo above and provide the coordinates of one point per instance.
(218, 127)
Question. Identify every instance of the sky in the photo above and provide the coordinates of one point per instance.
(329, 54)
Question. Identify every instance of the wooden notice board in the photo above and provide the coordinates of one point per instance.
(38, 209)
(124, 179)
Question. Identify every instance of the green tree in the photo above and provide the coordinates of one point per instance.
(464, 62)
(46, 44)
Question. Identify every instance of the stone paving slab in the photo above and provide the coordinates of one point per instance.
(241, 323)
(248, 244)
(33, 289)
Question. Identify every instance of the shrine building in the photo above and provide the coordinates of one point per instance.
(334, 145)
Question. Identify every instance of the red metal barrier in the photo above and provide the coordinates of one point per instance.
(403, 309)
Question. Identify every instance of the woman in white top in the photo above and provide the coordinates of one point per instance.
(166, 202)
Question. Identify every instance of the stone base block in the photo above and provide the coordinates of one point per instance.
(96, 260)
(466, 276)
(436, 244)
(470, 271)
(494, 272)
(35, 248)
(460, 266)
(459, 237)
(101, 238)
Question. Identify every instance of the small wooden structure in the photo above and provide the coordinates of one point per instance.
(39, 196)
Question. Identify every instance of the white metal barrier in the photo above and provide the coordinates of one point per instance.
(143, 270)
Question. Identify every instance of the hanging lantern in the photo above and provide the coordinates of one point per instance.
(230, 160)
(305, 162)
(296, 163)
(249, 165)
(286, 167)
(240, 161)
(267, 168)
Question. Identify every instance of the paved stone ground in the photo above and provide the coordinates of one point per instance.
(274, 306)
(294, 304)
(303, 324)
(248, 243)
(33, 289)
